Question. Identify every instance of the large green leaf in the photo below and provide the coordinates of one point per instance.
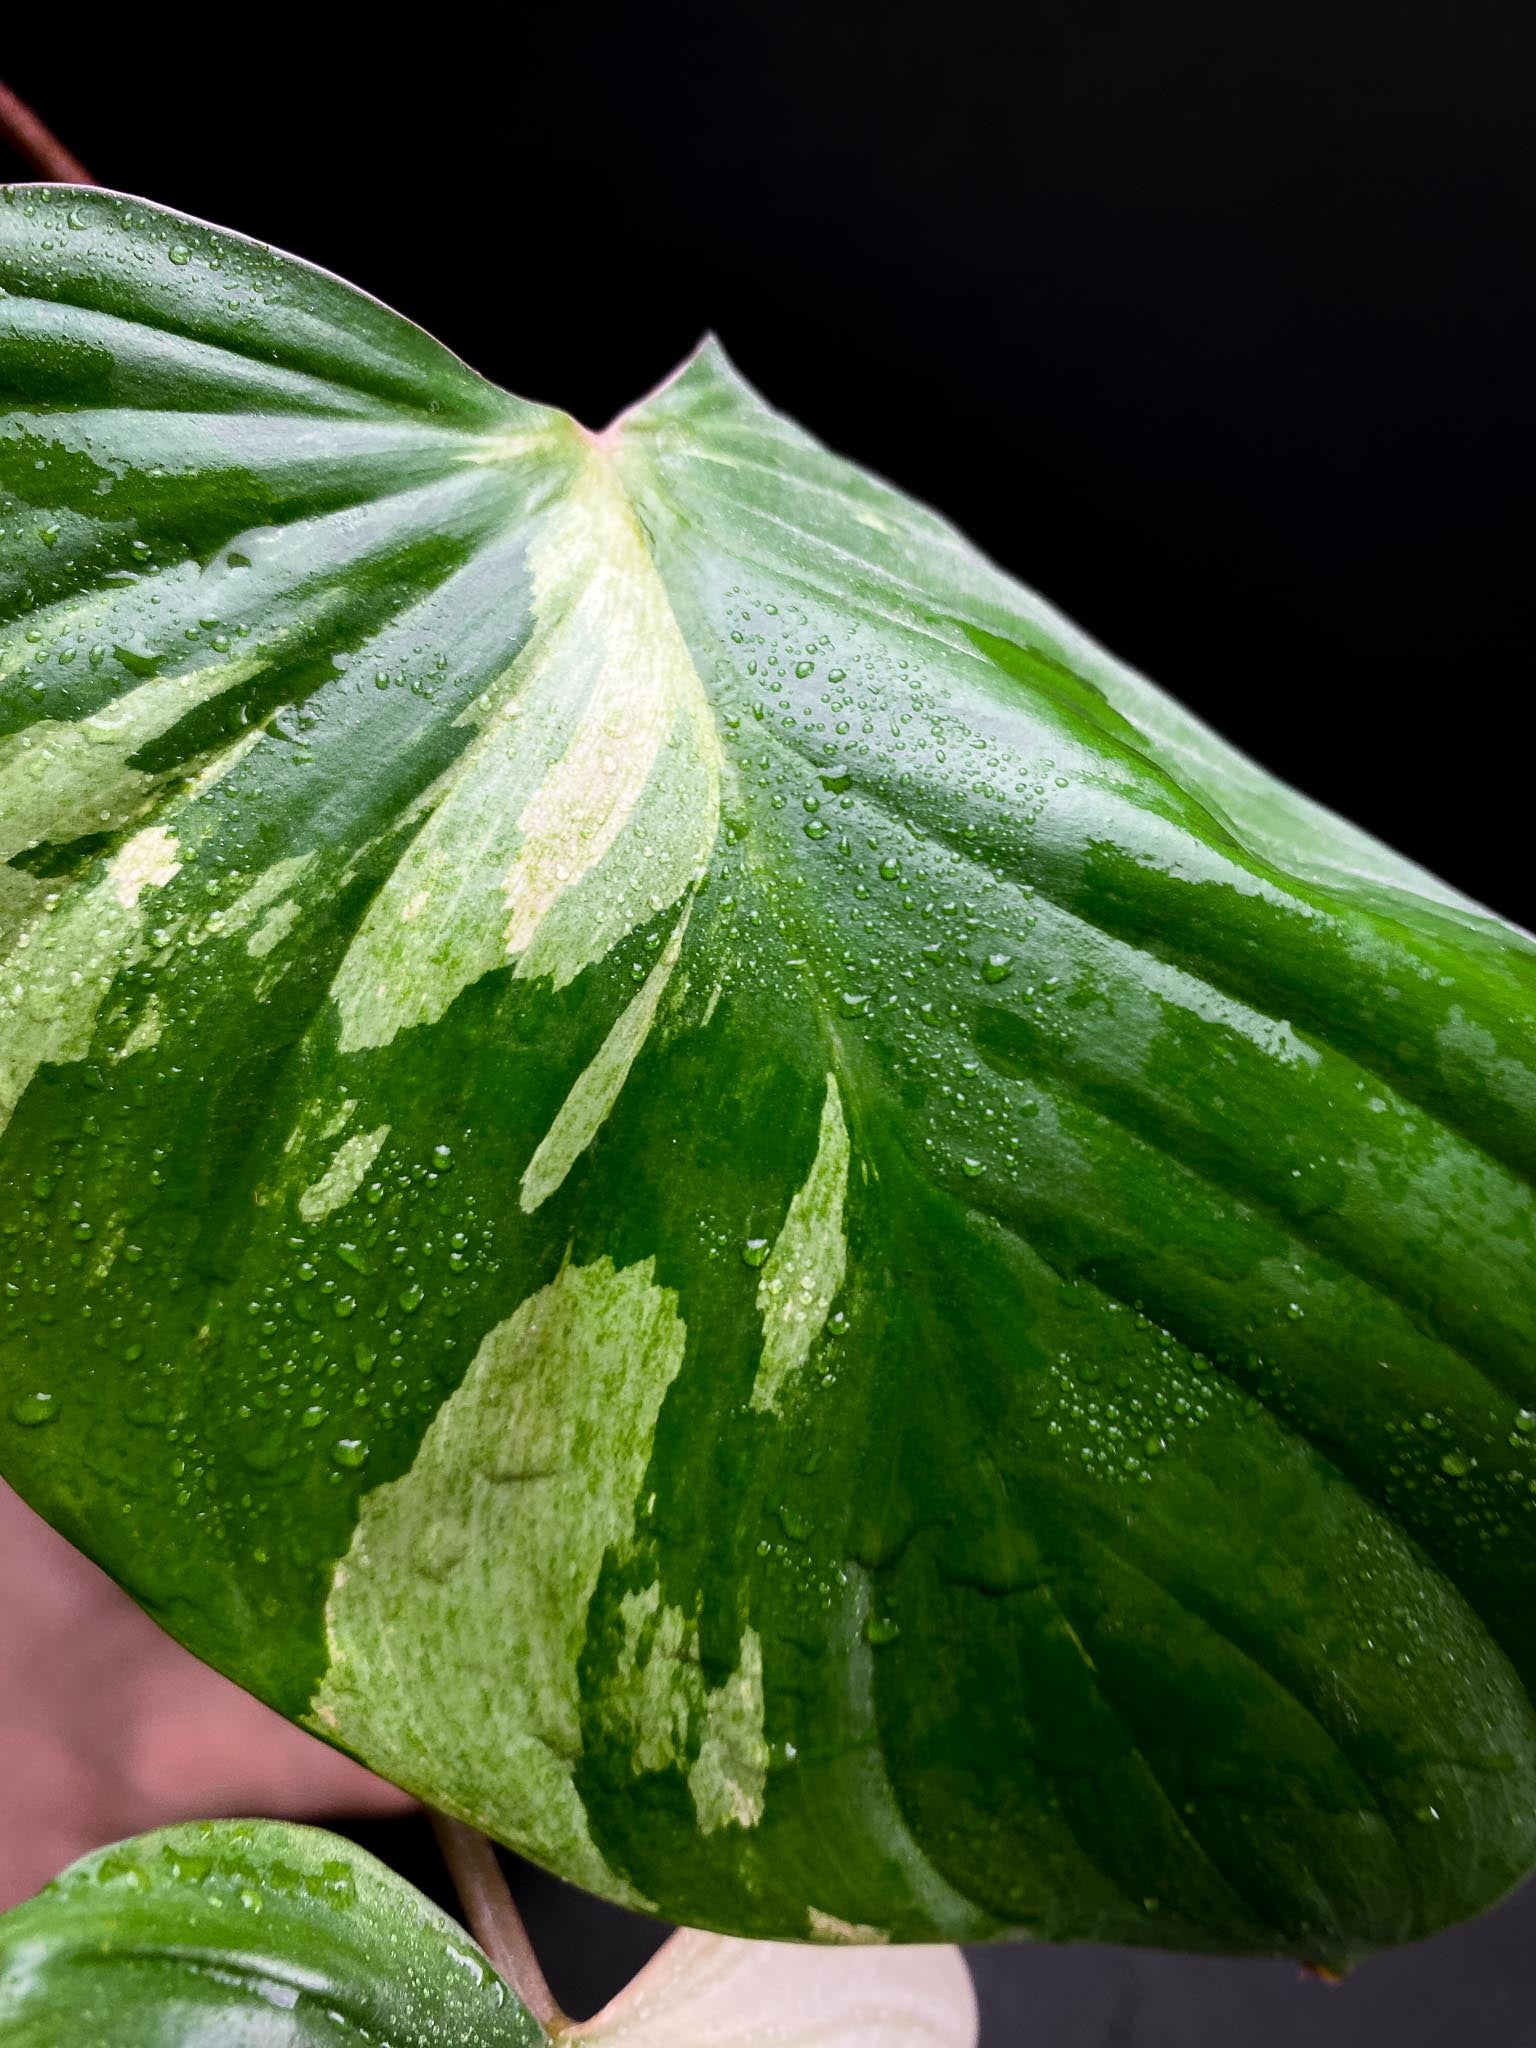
(680, 1169)
(253, 1934)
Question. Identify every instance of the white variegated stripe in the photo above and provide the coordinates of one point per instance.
(586, 805)
(343, 1176)
(709, 1991)
(598, 1086)
(526, 1479)
(803, 1272)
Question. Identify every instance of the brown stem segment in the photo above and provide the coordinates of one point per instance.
(493, 1919)
(36, 141)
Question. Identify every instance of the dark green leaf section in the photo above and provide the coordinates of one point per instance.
(684, 1171)
(255, 1932)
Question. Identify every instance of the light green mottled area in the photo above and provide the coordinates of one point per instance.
(21, 895)
(598, 1086)
(672, 1717)
(65, 961)
(265, 907)
(730, 1773)
(1471, 1053)
(273, 929)
(457, 1617)
(806, 1266)
(145, 1034)
(60, 779)
(657, 1684)
(344, 1176)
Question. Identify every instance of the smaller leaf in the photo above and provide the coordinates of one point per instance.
(710, 1991)
(251, 1932)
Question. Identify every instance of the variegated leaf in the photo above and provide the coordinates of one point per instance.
(678, 1168)
(248, 1934)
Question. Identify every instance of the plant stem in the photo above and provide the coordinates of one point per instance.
(493, 1919)
(36, 141)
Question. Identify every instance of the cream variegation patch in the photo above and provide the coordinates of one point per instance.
(623, 821)
(585, 806)
(343, 1176)
(807, 1264)
(457, 1618)
(659, 1692)
(147, 861)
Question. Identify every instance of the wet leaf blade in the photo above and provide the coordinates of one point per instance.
(256, 1931)
(678, 1168)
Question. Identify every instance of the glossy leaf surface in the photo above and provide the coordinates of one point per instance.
(680, 1169)
(267, 1935)
(254, 1934)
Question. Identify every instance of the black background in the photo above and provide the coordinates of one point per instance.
(1212, 320)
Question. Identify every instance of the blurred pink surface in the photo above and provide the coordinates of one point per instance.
(107, 1727)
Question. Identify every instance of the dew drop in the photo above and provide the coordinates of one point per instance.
(32, 1410)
